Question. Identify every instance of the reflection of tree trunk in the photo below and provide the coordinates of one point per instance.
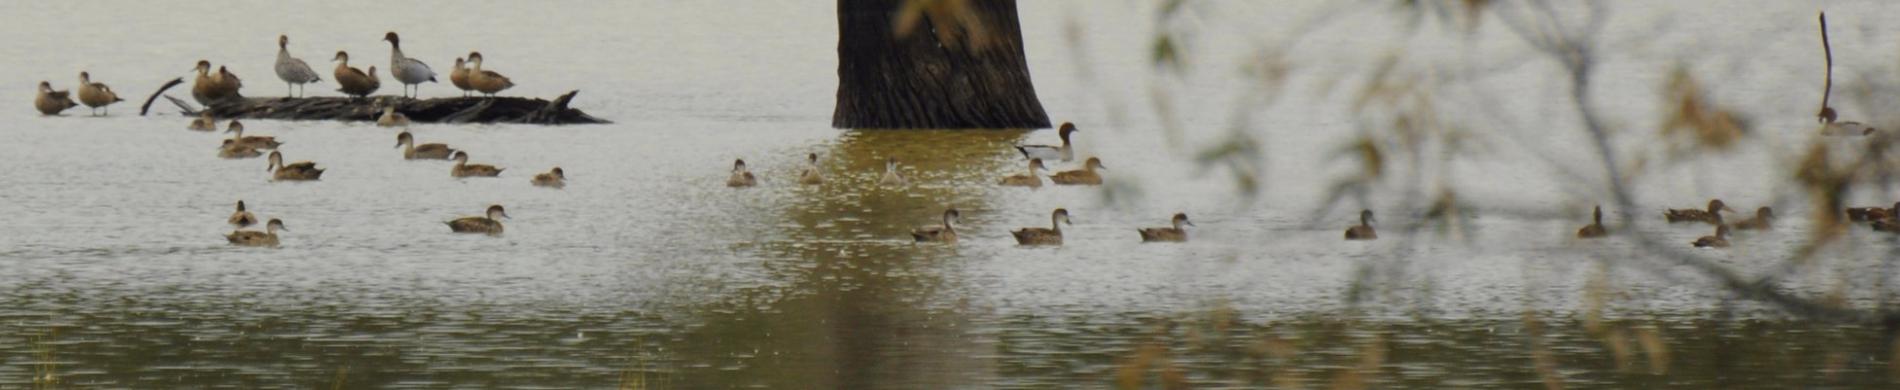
(937, 76)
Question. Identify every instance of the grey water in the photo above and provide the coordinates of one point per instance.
(647, 272)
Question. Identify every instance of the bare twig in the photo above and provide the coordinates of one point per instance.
(1827, 114)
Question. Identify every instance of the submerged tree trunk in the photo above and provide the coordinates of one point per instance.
(437, 110)
(933, 64)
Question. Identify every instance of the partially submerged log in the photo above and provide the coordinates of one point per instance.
(438, 110)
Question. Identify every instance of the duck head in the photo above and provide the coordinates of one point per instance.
(475, 58)
(202, 68)
(1035, 164)
(1596, 214)
(558, 173)
(274, 225)
(276, 159)
(812, 158)
(950, 216)
(1094, 164)
(85, 78)
(393, 40)
(341, 56)
(1721, 231)
(459, 62)
(46, 86)
(1365, 217)
(1065, 130)
(496, 212)
(1764, 213)
(404, 139)
(1062, 216)
(1716, 206)
(283, 41)
(235, 127)
(1181, 219)
(738, 165)
(890, 164)
(240, 205)
(460, 157)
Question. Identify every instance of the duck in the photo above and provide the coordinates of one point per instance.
(292, 70)
(266, 238)
(1711, 216)
(228, 81)
(242, 218)
(411, 151)
(352, 81)
(812, 175)
(1719, 240)
(51, 102)
(204, 122)
(1040, 236)
(1763, 217)
(1176, 233)
(891, 178)
(1065, 152)
(407, 70)
(1031, 180)
(236, 150)
(464, 169)
(485, 81)
(1084, 176)
(258, 142)
(204, 89)
(96, 95)
(1363, 231)
(1887, 225)
(459, 77)
(555, 178)
(489, 224)
(947, 232)
(391, 118)
(740, 176)
(1595, 229)
(297, 171)
(1876, 213)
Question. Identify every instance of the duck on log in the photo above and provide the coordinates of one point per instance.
(437, 110)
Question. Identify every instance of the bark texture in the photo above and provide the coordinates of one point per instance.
(937, 75)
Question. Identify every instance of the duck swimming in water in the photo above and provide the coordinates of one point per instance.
(234, 150)
(489, 224)
(1064, 152)
(242, 218)
(947, 232)
(463, 169)
(266, 238)
(811, 175)
(1719, 240)
(740, 176)
(412, 151)
(1039, 236)
(555, 178)
(391, 118)
(1362, 231)
(1175, 233)
(258, 142)
(891, 178)
(1764, 216)
(1713, 215)
(297, 171)
(1031, 180)
(1595, 229)
(1084, 176)
(204, 122)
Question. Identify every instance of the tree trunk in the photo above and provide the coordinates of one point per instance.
(961, 68)
(455, 110)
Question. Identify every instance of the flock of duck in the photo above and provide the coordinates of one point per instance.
(212, 87)
(1880, 219)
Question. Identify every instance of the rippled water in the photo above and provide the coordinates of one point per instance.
(647, 272)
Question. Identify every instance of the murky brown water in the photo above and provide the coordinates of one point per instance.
(646, 272)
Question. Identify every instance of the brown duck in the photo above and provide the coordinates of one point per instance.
(242, 218)
(1040, 236)
(1764, 216)
(258, 142)
(1713, 215)
(812, 175)
(234, 150)
(297, 171)
(1363, 231)
(1719, 240)
(485, 81)
(352, 81)
(947, 232)
(1084, 176)
(555, 178)
(1031, 180)
(266, 238)
(740, 176)
(96, 95)
(411, 151)
(1064, 152)
(459, 77)
(489, 224)
(1176, 233)
(463, 169)
(1862, 214)
(51, 102)
(204, 122)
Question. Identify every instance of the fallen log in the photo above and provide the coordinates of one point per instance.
(437, 110)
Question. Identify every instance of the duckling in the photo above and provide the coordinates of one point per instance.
(204, 122)
(297, 171)
(891, 178)
(51, 102)
(1040, 236)
(352, 81)
(257, 142)
(242, 218)
(942, 233)
(411, 151)
(811, 175)
(555, 179)
(1595, 229)
(1031, 180)
(391, 118)
(1863, 214)
(740, 176)
(459, 77)
(1167, 234)
(489, 224)
(1711, 216)
(407, 70)
(96, 95)
(1719, 240)
(1363, 231)
(293, 71)
(266, 238)
(485, 81)
(1084, 176)
(1065, 152)
(464, 169)
(236, 150)
(1763, 217)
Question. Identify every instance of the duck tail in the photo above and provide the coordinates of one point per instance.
(1025, 151)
